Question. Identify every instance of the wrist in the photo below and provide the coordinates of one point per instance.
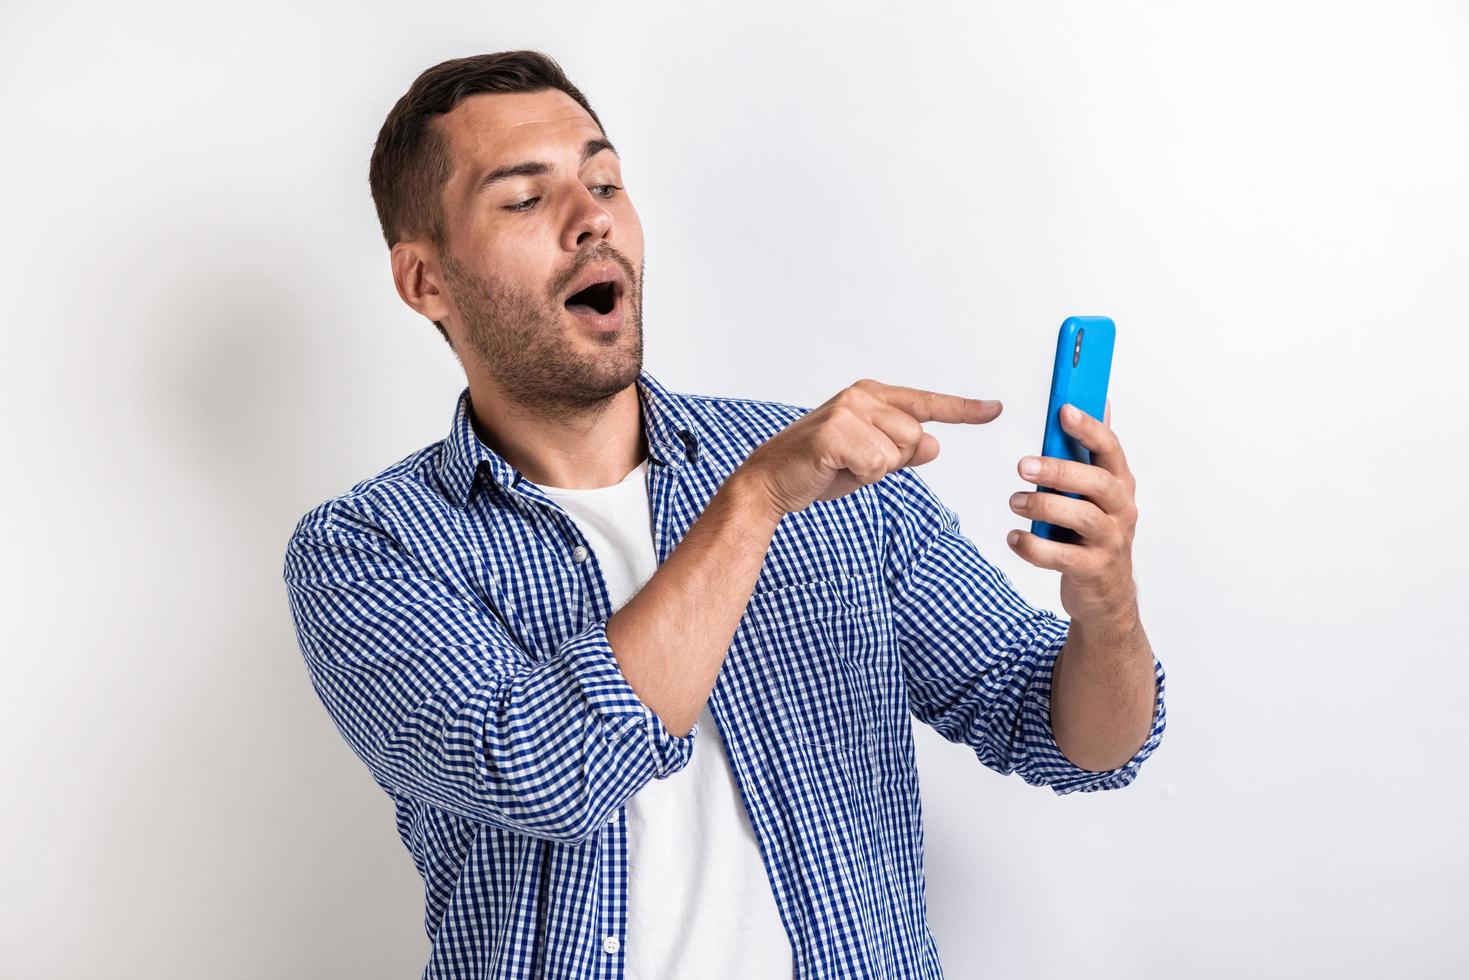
(752, 497)
(1112, 623)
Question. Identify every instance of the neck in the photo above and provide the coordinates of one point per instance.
(575, 447)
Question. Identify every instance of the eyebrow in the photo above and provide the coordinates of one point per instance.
(535, 168)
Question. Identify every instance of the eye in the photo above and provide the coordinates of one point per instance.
(528, 203)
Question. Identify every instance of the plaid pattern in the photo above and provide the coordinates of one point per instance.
(453, 623)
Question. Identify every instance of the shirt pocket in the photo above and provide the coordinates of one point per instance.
(819, 643)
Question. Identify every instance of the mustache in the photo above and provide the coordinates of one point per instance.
(600, 253)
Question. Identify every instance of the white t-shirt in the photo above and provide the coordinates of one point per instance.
(699, 902)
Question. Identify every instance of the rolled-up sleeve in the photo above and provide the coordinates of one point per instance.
(436, 698)
(977, 658)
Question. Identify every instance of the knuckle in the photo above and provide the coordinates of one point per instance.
(1085, 522)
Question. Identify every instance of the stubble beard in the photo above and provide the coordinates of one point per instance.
(528, 344)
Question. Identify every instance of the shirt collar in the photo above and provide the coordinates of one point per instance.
(666, 421)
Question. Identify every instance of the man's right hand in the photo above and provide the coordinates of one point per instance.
(857, 437)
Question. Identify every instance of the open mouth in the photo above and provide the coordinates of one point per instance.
(598, 299)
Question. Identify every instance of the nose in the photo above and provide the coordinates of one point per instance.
(589, 222)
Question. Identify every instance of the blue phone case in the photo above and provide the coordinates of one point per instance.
(1083, 365)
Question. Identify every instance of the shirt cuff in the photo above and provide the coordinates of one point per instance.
(1048, 765)
(624, 717)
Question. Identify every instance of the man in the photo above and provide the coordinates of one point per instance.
(636, 667)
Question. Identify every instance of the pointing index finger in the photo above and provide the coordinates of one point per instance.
(936, 406)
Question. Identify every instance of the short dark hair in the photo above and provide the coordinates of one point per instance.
(410, 161)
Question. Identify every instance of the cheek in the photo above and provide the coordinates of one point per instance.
(630, 229)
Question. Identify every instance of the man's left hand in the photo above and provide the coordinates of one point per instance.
(1096, 572)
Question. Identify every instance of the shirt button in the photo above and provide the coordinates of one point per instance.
(579, 553)
(611, 945)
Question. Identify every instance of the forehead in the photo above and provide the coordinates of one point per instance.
(496, 128)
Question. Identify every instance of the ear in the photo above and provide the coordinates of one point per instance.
(419, 281)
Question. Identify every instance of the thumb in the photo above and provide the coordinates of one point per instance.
(928, 450)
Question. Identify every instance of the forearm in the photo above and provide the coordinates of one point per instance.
(671, 638)
(1103, 692)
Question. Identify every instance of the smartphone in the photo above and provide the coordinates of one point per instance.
(1083, 365)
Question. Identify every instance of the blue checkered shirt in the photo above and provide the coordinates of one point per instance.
(453, 622)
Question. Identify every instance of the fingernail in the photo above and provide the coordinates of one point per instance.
(1030, 466)
(1071, 412)
(1012, 537)
(1017, 500)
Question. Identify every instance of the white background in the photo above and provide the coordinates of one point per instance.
(202, 341)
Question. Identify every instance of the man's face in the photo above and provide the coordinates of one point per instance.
(521, 243)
